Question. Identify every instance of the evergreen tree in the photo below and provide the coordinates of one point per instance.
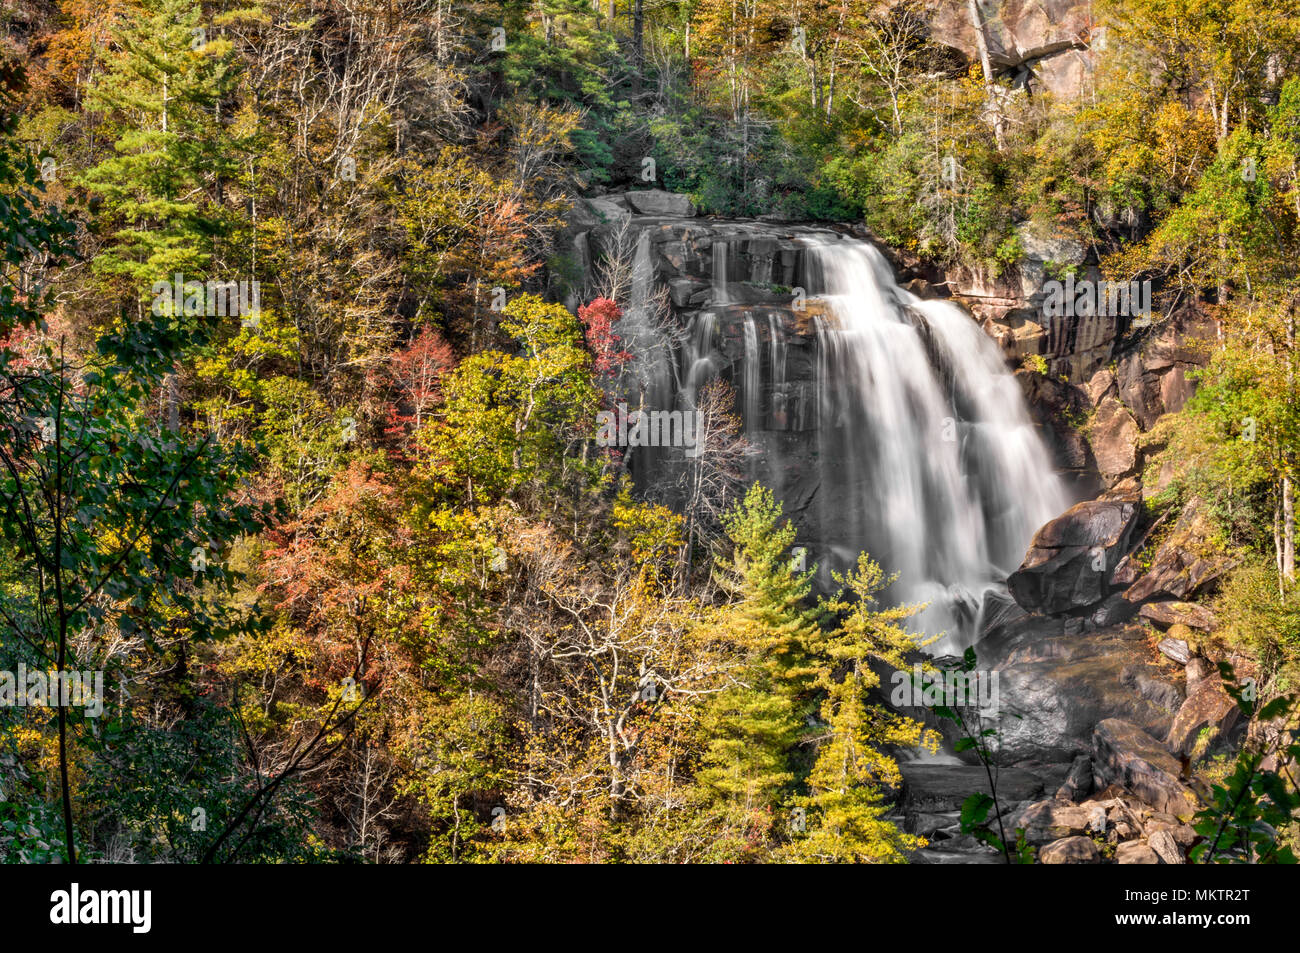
(754, 725)
(161, 106)
(845, 803)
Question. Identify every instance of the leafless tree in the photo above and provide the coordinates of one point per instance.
(888, 46)
(709, 477)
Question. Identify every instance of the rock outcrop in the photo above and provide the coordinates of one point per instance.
(1042, 47)
(1113, 435)
(1185, 563)
(1071, 850)
(1207, 716)
(1126, 755)
(1059, 677)
(1070, 559)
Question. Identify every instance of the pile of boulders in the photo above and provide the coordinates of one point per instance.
(1125, 802)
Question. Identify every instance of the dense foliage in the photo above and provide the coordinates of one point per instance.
(360, 580)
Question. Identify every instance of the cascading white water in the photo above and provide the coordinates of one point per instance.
(751, 389)
(650, 383)
(718, 253)
(698, 362)
(929, 459)
(776, 345)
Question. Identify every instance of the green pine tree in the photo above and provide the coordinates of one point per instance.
(753, 727)
(845, 805)
(162, 188)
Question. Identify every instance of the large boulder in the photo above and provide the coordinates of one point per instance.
(1057, 678)
(1166, 847)
(1047, 821)
(1168, 614)
(1124, 754)
(1070, 850)
(604, 209)
(659, 202)
(1204, 719)
(1135, 852)
(1069, 561)
(1113, 435)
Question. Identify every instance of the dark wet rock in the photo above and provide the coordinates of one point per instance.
(1070, 559)
(1125, 754)
(1054, 405)
(1055, 686)
(941, 788)
(685, 292)
(928, 825)
(1154, 688)
(1078, 783)
(1112, 611)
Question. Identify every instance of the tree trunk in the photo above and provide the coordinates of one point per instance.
(172, 390)
(638, 37)
(981, 40)
(1288, 530)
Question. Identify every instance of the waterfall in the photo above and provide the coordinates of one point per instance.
(776, 355)
(719, 288)
(930, 461)
(776, 343)
(650, 385)
(698, 363)
(751, 389)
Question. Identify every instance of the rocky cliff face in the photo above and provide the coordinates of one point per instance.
(1106, 380)
(763, 268)
(1042, 45)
